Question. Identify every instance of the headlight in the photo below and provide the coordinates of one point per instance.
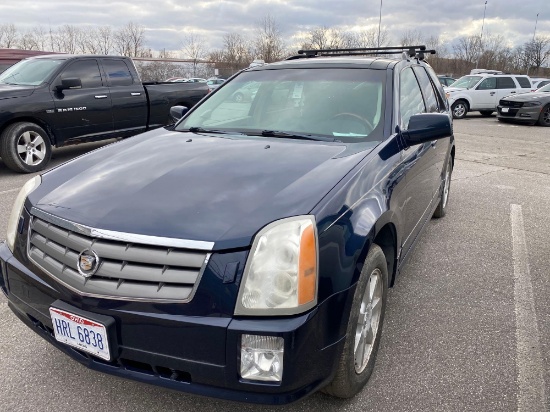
(280, 276)
(531, 104)
(18, 208)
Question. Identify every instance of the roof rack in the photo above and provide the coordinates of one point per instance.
(408, 51)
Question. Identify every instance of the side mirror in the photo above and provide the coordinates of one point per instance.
(70, 83)
(426, 127)
(177, 112)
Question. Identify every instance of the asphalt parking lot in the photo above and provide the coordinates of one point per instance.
(467, 325)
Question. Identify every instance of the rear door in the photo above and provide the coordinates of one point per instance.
(84, 112)
(506, 86)
(128, 96)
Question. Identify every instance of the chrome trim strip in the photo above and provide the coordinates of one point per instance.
(122, 298)
(122, 236)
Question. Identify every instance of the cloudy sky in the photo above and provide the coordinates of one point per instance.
(167, 21)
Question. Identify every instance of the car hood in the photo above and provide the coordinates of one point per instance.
(454, 89)
(196, 187)
(528, 97)
(9, 91)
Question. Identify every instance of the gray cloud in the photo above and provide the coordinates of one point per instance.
(167, 21)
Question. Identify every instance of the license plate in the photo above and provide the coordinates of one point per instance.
(505, 110)
(82, 333)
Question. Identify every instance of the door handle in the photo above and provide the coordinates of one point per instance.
(512, 92)
(492, 93)
(135, 94)
(101, 96)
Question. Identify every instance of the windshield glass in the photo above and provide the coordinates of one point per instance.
(341, 104)
(30, 72)
(466, 81)
(544, 89)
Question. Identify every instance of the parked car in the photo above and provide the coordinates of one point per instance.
(246, 93)
(246, 252)
(196, 80)
(213, 84)
(538, 83)
(482, 92)
(446, 80)
(58, 99)
(532, 108)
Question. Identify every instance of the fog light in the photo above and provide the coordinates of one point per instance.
(262, 358)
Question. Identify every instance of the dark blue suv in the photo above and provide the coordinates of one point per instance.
(245, 252)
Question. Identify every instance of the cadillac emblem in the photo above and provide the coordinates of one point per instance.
(88, 263)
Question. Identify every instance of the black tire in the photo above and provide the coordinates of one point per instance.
(348, 381)
(444, 201)
(33, 140)
(460, 109)
(544, 118)
(486, 113)
(238, 97)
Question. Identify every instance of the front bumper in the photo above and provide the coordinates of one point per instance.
(157, 344)
(521, 114)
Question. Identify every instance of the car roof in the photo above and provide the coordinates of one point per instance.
(380, 63)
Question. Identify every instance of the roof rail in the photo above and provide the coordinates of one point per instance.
(410, 51)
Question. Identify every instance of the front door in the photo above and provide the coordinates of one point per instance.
(83, 112)
(484, 97)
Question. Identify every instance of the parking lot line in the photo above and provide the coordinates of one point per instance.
(9, 191)
(531, 392)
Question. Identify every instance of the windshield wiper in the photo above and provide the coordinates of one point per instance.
(294, 135)
(203, 130)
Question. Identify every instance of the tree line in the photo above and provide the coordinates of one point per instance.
(267, 42)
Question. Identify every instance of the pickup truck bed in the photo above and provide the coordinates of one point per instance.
(55, 100)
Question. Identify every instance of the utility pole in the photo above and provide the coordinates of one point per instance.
(534, 34)
(380, 23)
(481, 36)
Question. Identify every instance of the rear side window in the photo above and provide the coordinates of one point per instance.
(505, 83)
(488, 84)
(524, 82)
(118, 73)
(410, 97)
(427, 89)
(87, 71)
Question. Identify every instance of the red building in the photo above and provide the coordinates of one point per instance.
(9, 57)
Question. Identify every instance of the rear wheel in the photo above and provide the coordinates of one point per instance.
(441, 207)
(544, 118)
(459, 109)
(25, 147)
(364, 328)
(486, 113)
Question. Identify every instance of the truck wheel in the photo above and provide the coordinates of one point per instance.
(25, 147)
(238, 97)
(364, 329)
(486, 113)
(459, 109)
(544, 118)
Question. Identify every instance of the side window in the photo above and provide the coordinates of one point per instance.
(410, 97)
(505, 83)
(427, 89)
(524, 82)
(117, 72)
(488, 84)
(87, 71)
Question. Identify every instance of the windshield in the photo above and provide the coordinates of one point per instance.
(466, 81)
(341, 104)
(544, 89)
(30, 72)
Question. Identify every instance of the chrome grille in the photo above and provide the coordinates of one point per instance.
(126, 271)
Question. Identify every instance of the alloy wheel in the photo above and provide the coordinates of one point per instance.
(31, 148)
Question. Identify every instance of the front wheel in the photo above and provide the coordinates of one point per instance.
(544, 118)
(25, 147)
(441, 207)
(459, 109)
(364, 328)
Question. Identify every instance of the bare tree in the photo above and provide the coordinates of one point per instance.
(8, 35)
(269, 44)
(537, 53)
(412, 38)
(193, 47)
(236, 52)
(130, 40)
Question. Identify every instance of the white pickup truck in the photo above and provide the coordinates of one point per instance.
(482, 92)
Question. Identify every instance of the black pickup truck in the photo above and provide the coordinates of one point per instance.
(56, 100)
